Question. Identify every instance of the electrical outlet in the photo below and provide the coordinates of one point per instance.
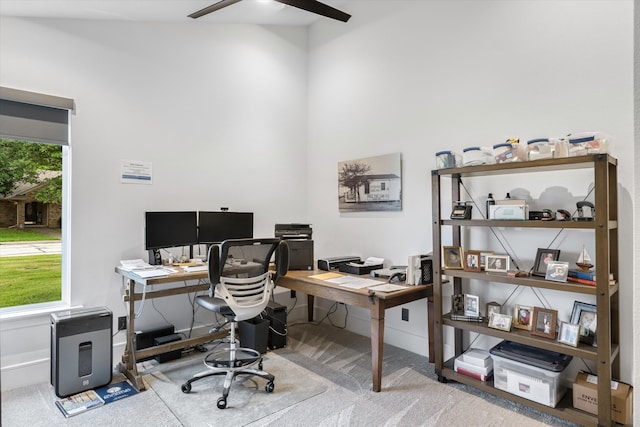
(405, 314)
(122, 323)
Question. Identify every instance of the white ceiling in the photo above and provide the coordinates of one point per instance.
(247, 11)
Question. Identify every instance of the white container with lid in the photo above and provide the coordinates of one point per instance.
(472, 156)
(540, 148)
(447, 159)
(581, 144)
(506, 152)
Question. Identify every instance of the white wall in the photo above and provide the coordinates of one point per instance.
(418, 77)
(220, 111)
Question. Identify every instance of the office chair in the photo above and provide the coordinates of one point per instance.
(241, 285)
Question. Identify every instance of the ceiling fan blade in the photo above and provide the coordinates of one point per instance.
(318, 8)
(207, 10)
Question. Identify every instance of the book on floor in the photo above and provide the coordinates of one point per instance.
(112, 392)
(79, 403)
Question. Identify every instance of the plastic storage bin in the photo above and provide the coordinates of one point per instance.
(447, 159)
(540, 148)
(472, 156)
(581, 144)
(506, 152)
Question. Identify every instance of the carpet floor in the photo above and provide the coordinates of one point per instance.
(323, 378)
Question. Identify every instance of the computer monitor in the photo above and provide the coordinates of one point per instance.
(170, 229)
(216, 227)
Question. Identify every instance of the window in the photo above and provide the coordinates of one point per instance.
(34, 194)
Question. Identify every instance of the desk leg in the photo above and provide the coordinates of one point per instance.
(128, 365)
(377, 343)
(310, 300)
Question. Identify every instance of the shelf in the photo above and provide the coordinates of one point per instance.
(604, 229)
(522, 336)
(582, 225)
(564, 409)
(544, 165)
(531, 281)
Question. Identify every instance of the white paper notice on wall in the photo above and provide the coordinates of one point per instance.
(136, 172)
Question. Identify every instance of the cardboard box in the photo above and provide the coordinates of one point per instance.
(585, 397)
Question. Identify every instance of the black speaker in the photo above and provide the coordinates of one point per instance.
(426, 267)
(154, 257)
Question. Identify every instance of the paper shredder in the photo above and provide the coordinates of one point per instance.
(81, 349)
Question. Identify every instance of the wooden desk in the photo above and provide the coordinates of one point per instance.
(377, 303)
(137, 289)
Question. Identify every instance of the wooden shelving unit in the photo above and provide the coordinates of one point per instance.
(605, 230)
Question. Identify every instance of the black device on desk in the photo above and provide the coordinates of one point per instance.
(168, 230)
(298, 237)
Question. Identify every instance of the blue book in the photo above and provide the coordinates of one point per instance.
(585, 275)
(112, 392)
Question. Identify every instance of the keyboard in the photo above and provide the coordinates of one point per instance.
(195, 268)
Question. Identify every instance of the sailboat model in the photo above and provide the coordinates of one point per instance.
(584, 260)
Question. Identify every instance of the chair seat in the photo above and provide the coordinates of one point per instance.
(217, 305)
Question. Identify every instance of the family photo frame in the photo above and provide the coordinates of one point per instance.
(522, 316)
(557, 271)
(584, 314)
(497, 263)
(452, 257)
(543, 257)
(543, 322)
(569, 334)
(472, 261)
(500, 321)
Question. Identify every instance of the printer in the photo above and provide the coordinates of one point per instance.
(298, 237)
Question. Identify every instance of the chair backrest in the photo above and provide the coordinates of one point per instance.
(239, 273)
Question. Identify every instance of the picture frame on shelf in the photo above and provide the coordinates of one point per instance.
(522, 317)
(472, 261)
(497, 263)
(452, 257)
(585, 315)
(569, 334)
(483, 258)
(557, 271)
(500, 321)
(492, 307)
(457, 303)
(543, 322)
(543, 257)
(471, 305)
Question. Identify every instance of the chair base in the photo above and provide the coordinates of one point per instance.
(231, 362)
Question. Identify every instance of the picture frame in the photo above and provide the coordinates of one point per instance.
(500, 321)
(471, 305)
(543, 322)
(543, 257)
(483, 258)
(472, 261)
(457, 303)
(522, 316)
(497, 263)
(557, 271)
(585, 315)
(492, 307)
(569, 334)
(452, 257)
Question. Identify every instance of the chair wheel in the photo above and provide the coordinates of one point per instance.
(269, 387)
(186, 387)
(222, 403)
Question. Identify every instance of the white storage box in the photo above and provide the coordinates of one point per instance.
(447, 159)
(540, 148)
(581, 144)
(472, 156)
(506, 152)
(529, 382)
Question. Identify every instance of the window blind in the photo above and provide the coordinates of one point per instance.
(30, 116)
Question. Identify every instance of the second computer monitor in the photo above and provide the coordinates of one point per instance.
(216, 227)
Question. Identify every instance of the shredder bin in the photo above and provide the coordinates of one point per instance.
(81, 350)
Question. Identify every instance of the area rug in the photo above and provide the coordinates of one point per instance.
(247, 402)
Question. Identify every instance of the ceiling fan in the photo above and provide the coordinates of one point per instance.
(313, 6)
